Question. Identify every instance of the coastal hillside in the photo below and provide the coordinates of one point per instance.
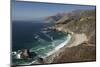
(77, 23)
(54, 18)
(82, 52)
(81, 22)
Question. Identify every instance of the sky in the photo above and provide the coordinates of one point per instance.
(34, 10)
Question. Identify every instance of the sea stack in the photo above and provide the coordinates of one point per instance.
(26, 54)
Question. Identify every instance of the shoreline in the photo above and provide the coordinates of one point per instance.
(75, 40)
(60, 46)
(55, 49)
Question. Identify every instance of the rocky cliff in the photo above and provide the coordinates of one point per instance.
(85, 23)
(81, 22)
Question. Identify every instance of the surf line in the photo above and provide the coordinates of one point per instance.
(60, 45)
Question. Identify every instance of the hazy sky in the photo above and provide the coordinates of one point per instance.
(33, 10)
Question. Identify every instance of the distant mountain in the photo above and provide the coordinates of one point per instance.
(54, 18)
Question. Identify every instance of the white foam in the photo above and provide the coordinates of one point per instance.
(60, 45)
(53, 51)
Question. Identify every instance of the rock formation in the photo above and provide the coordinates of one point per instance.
(82, 22)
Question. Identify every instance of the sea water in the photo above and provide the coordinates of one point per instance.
(37, 37)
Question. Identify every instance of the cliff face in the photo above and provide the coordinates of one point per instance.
(82, 22)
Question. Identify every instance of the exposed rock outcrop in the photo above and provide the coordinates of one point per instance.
(81, 22)
(25, 54)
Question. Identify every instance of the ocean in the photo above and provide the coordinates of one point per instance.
(36, 36)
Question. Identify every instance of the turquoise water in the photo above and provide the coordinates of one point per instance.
(32, 36)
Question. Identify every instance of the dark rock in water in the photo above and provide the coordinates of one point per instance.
(40, 60)
(26, 54)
